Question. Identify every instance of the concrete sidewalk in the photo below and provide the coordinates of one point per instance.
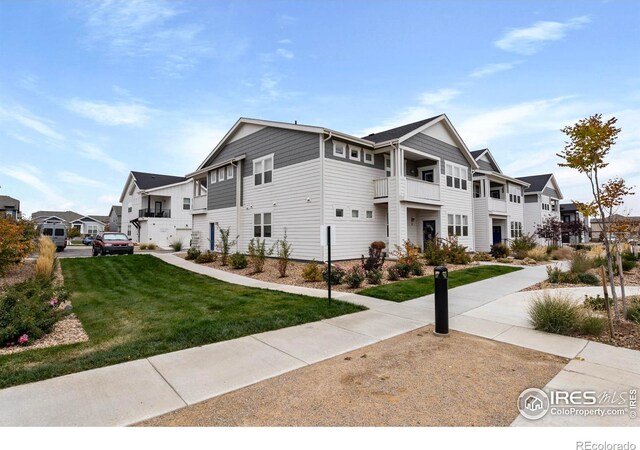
(130, 392)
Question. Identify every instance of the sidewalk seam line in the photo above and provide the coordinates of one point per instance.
(280, 350)
(167, 381)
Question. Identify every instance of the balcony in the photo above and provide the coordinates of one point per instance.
(200, 202)
(423, 190)
(497, 204)
(381, 188)
(146, 212)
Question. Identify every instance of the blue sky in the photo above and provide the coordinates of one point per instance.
(92, 89)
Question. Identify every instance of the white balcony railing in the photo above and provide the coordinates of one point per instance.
(496, 204)
(381, 188)
(200, 202)
(422, 189)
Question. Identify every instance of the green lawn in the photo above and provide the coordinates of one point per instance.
(136, 306)
(401, 291)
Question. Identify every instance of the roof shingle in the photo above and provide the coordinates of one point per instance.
(395, 133)
(146, 180)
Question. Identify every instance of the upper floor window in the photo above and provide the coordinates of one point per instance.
(186, 203)
(456, 176)
(354, 153)
(263, 170)
(339, 149)
(214, 176)
(387, 165)
(368, 156)
(221, 174)
(229, 172)
(427, 175)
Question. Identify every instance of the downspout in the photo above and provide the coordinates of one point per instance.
(397, 199)
(238, 195)
(322, 211)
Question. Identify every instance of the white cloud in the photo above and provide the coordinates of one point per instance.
(32, 177)
(192, 141)
(28, 120)
(285, 42)
(439, 97)
(94, 153)
(490, 69)
(79, 180)
(529, 40)
(284, 53)
(110, 113)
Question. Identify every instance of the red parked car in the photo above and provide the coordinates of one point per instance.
(112, 244)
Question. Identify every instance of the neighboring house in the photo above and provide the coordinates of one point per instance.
(157, 208)
(9, 207)
(498, 203)
(264, 178)
(115, 218)
(569, 213)
(541, 200)
(86, 225)
(631, 224)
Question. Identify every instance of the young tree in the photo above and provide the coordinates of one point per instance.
(225, 244)
(590, 141)
(550, 230)
(573, 228)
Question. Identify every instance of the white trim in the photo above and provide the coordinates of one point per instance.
(368, 153)
(337, 144)
(213, 177)
(230, 172)
(358, 150)
(262, 171)
(221, 173)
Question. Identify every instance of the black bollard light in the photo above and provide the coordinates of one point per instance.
(441, 281)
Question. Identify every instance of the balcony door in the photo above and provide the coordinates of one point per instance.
(158, 209)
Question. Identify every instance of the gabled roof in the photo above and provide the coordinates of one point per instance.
(146, 180)
(538, 182)
(477, 154)
(67, 216)
(103, 219)
(117, 209)
(9, 202)
(568, 207)
(398, 132)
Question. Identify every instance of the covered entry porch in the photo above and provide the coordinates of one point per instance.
(499, 229)
(423, 224)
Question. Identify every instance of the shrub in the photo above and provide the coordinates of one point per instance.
(554, 314)
(482, 256)
(596, 303)
(192, 253)
(562, 253)
(633, 313)
(16, 241)
(404, 270)
(628, 255)
(46, 257)
(521, 245)
(588, 278)
(376, 257)
(374, 276)
(582, 247)
(206, 257)
(456, 253)
(580, 263)
(176, 245)
(257, 254)
(337, 274)
(556, 275)
(538, 253)
(238, 261)
(407, 253)
(435, 254)
(499, 250)
(416, 269)
(505, 260)
(355, 276)
(152, 246)
(143, 246)
(628, 264)
(439, 252)
(225, 244)
(393, 274)
(311, 272)
(283, 249)
(29, 309)
(551, 248)
(592, 325)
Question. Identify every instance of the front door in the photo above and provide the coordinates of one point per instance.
(158, 209)
(497, 234)
(212, 236)
(428, 231)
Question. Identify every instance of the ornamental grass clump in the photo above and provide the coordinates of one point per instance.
(555, 313)
(46, 257)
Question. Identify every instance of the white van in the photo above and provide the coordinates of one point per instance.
(57, 232)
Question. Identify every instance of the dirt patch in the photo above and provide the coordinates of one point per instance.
(416, 379)
(625, 334)
(18, 273)
(294, 273)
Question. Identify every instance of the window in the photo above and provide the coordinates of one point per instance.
(495, 193)
(128, 230)
(229, 172)
(92, 229)
(450, 226)
(456, 176)
(354, 153)
(554, 206)
(339, 149)
(59, 232)
(186, 203)
(427, 175)
(221, 174)
(449, 174)
(369, 214)
(263, 170)
(262, 225)
(465, 225)
(214, 176)
(339, 212)
(457, 225)
(516, 229)
(387, 165)
(477, 190)
(355, 213)
(129, 208)
(368, 157)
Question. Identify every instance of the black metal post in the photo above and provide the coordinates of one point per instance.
(441, 281)
(329, 261)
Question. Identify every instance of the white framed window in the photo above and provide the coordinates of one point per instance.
(465, 225)
(387, 165)
(456, 176)
(130, 207)
(354, 153)
(221, 174)
(214, 176)
(186, 203)
(427, 175)
(457, 225)
(355, 214)
(339, 212)
(450, 225)
(516, 229)
(368, 157)
(263, 170)
(369, 214)
(229, 172)
(262, 225)
(129, 230)
(339, 149)
(92, 229)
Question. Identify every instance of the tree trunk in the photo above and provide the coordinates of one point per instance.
(607, 248)
(622, 293)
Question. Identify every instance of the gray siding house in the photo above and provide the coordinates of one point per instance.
(9, 207)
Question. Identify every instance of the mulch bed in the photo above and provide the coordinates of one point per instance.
(625, 334)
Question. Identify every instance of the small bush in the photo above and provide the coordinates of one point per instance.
(16, 241)
(456, 253)
(376, 257)
(588, 278)
(355, 277)
(238, 261)
(176, 245)
(580, 263)
(374, 276)
(482, 256)
(633, 313)
(592, 325)
(554, 274)
(192, 253)
(311, 272)
(407, 253)
(152, 246)
(403, 269)
(46, 257)
(628, 264)
(225, 243)
(554, 314)
(521, 245)
(416, 269)
(143, 246)
(393, 274)
(337, 274)
(435, 253)
(206, 257)
(438, 252)
(551, 248)
(596, 303)
(628, 255)
(538, 253)
(283, 249)
(258, 254)
(505, 260)
(562, 253)
(499, 251)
